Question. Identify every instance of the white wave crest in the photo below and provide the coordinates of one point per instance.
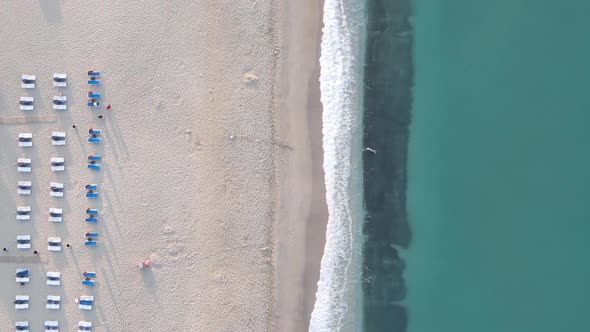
(338, 305)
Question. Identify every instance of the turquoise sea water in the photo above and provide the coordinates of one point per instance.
(499, 185)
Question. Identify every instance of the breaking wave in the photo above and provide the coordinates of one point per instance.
(338, 305)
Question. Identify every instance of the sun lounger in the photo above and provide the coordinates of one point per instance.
(54, 244)
(23, 241)
(93, 220)
(27, 81)
(25, 139)
(56, 189)
(94, 157)
(26, 103)
(91, 211)
(53, 302)
(90, 274)
(53, 278)
(55, 215)
(92, 103)
(94, 140)
(85, 302)
(60, 80)
(59, 102)
(22, 276)
(93, 73)
(91, 186)
(84, 326)
(93, 166)
(21, 302)
(51, 326)
(23, 213)
(24, 188)
(93, 95)
(91, 194)
(23, 165)
(57, 164)
(21, 326)
(91, 243)
(88, 282)
(91, 234)
(58, 138)
(93, 82)
(93, 131)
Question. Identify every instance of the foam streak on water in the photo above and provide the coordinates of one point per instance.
(339, 296)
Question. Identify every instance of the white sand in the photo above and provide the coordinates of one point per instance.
(182, 77)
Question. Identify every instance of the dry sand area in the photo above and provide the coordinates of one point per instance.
(197, 153)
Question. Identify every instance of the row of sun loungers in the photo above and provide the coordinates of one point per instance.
(22, 302)
(85, 302)
(59, 103)
(28, 81)
(55, 215)
(52, 326)
(26, 139)
(24, 212)
(58, 138)
(56, 189)
(57, 165)
(54, 278)
(59, 80)
(54, 243)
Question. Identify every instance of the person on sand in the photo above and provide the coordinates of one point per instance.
(100, 116)
(109, 107)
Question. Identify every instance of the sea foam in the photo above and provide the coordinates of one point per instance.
(338, 305)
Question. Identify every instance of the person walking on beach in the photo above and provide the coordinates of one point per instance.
(100, 116)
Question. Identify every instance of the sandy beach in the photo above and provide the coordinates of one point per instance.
(211, 163)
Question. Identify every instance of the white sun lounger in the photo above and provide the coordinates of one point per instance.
(25, 168)
(87, 298)
(55, 215)
(58, 138)
(59, 80)
(21, 302)
(59, 102)
(56, 190)
(23, 213)
(25, 139)
(51, 326)
(84, 326)
(23, 278)
(27, 81)
(57, 164)
(54, 244)
(24, 188)
(53, 278)
(53, 302)
(23, 241)
(21, 326)
(24, 101)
